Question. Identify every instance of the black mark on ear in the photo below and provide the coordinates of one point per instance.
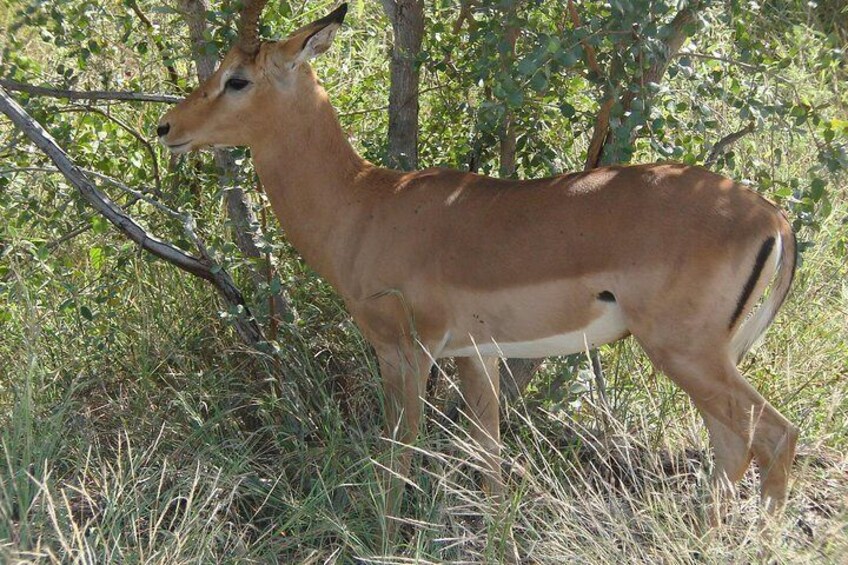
(337, 16)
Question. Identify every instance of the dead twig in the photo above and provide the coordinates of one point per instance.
(726, 141)
(88, 94)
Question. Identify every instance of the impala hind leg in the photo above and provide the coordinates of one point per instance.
(404, 372)
(480, 384)
(719, 391)
(733, 456)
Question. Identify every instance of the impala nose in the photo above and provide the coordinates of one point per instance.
(163, 130)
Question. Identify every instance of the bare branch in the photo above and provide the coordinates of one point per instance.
(599, 133)
(725, 141)
(737, 63)
(204, 267)
(88, 94)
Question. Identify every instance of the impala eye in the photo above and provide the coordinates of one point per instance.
(236, 83)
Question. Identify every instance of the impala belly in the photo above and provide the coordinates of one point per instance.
(567, 323)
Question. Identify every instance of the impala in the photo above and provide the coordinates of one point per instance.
(443, 263)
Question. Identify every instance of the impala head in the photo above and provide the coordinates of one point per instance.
(254, 77)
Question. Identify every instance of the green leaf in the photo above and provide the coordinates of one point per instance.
(97, 256)
(528, 65)
(515, 98)
(817, 189)
(539, 82)
(567, 110)
(783, 192)
(99, 224)
(86, 313)
(276, 286)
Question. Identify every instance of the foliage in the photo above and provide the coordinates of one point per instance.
(555, 92)
(134, 426)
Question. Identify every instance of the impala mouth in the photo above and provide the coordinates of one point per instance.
(178, 147)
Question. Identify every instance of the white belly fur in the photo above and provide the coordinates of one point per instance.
(606, 328)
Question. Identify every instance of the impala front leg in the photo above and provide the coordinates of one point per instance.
(480, 384)
(404, 371)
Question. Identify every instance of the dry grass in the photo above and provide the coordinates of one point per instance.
(171, 447)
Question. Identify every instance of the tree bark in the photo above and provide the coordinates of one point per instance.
(246, 231)
(407, 19)
(507, 133)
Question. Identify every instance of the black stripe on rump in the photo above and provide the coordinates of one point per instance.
(762, 256)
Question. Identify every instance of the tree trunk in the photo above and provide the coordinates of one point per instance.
(515, 373)
(507, 132)
(407, 18)
(246, 230)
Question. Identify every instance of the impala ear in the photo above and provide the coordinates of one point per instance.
(315, 38)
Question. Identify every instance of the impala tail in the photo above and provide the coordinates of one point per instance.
(753, 327)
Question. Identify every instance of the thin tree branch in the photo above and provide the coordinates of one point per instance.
(725, 141)
(203, 267)
(79, 230)
(676, 34)
(591, 56)
(173, 77)
(599, 133)
(88, 94)
(728, 60)
(140, 138)
(737, 63)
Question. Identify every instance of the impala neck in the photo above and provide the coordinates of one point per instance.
(308, 169)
